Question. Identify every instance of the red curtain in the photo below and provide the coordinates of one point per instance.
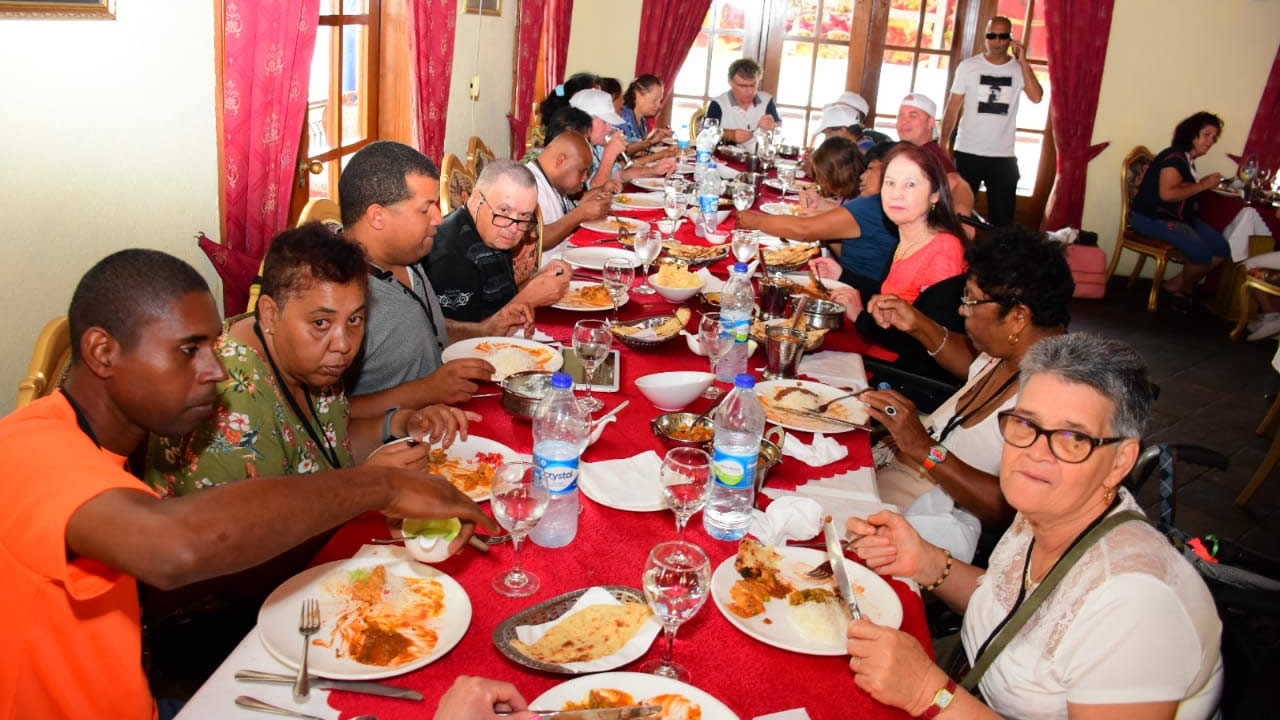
(532, 16)
(266, 66)
(559, 16)
(1264, 135)
(667, 31)
(1077, 37)
(433, 25)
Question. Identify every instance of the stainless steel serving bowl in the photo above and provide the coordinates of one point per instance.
(791, 152)
(664, 425)
(820, 314)
(754, 179)
(522, 391)
(770, 446)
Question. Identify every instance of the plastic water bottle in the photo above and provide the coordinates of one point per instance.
(682, 139)
(560, 432)
(737, 300)
(708, 195)
(739, 429)
(708, 138)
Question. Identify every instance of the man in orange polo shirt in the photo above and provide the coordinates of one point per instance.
(76, 528)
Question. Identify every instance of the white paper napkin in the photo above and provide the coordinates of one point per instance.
(823, 450)
(713, 283)
(626, 483)
(540, 336)
(635, 647)
(794, 714)
(842, 369)
(788, 518)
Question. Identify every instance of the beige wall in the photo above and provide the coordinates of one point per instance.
(107, 140)
(604, 38)
(483, 45)
(1167, 59)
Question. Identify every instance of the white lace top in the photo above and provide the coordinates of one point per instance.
(1131, 622)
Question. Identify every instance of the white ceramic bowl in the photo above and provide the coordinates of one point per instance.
(727, 173)
(717, 238)
(673, 391)
(675, 294)
(666, 227)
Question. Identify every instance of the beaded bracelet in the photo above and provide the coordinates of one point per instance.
(945, 572)
(945, 335)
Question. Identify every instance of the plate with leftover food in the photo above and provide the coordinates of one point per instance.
(624, 689)
(379, 617)
(507, 355)
(783, 398)
(586, 296)
(764, 592)
(638, 201)
(612, 224)
(594, 258)
(781, 208)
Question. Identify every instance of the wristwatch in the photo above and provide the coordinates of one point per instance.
(941, 700)
(387, 436)
(936, 455)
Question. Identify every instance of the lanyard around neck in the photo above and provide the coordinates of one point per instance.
(962, 415)
(320, 439)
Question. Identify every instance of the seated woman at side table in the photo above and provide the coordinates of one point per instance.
(1128, 631)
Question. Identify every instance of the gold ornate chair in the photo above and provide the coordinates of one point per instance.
(526, 256)
(478, 155)
(321, 210)
(1132, 170)
(535, 136)
(49, 361)
(456, 183)
(1273, 454)
(695, 122)
(1252, 281)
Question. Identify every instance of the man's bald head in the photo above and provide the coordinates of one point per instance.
(566, 161)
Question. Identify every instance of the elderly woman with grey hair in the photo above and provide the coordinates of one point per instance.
(1085, 610)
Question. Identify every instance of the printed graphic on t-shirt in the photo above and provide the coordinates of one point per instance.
(453, 299)
(996, 88)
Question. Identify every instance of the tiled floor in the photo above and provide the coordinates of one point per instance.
(1213, 393)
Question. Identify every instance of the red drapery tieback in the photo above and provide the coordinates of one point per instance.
(1077, 37)
(266, 68)
(667, 31)
(433, 30)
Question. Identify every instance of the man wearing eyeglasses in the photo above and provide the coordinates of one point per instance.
(984, 101)
(471, 265)
(744, 107)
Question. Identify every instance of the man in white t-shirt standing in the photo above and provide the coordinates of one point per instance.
(984, 101)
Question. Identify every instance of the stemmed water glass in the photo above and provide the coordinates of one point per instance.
(787, 178)
(519, 498)
(591, 341)
(744, 196)
(745, 244)
(673, 203)
(647, 247)
(677, 577)
(617, 277)
(717, 343)
(684, 475)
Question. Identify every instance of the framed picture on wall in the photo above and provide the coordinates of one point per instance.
(482, 7)
(71, 9)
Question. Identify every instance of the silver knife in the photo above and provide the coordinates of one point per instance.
(367, 688)
(825, 418)
(836, 556)
(622, 713)
(606, 416)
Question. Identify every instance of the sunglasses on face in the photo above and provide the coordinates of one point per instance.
(999, 36)
(1069, 446)
(506, 221)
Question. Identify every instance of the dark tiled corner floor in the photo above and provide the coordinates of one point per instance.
(1213, 393)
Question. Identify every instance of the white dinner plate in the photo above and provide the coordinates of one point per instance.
(876, 600)
(652, 184)
(593, 258)
(544, 357)
(467, 450)
(803, 280)
(781, 208)
(609, 225)
(848, 409)
(638, 201)
(641, 686)
(575, 285)
(649, 499)
(278, 618)
(776, 184)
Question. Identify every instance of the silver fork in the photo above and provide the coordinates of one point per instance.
(308, 625)
(824, 571)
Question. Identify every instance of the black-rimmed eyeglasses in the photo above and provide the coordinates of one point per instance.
(966, 301)
(1069, 446)
(505, 221)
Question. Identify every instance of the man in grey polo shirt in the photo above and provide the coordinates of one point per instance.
(390, 205)
(744, 107)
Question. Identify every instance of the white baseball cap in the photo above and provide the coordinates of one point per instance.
(855, 101)
(838, 115)
(596, 103)
(916, 100)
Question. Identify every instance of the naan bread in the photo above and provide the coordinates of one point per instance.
(592, 633)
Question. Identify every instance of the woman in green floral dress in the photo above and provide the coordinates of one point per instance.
(282, 408)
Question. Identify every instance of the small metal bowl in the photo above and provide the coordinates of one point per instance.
(820, 314)
(522, 391)
(664, 425)
(754, 179)
(791, 152)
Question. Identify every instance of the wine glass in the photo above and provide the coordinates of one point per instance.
(673, 205)
(684, 475)
(647, 247)
(717, 343)
(745, 244)
(617, 277)
(677, 577)
(519, 497)
(591, 341)
(744, 196)
(787, 178)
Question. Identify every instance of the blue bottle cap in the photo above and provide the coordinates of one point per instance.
(744, 380)
(740, 267)
(561, 381)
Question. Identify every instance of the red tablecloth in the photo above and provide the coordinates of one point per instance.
(1218, 210)
(611, 548)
